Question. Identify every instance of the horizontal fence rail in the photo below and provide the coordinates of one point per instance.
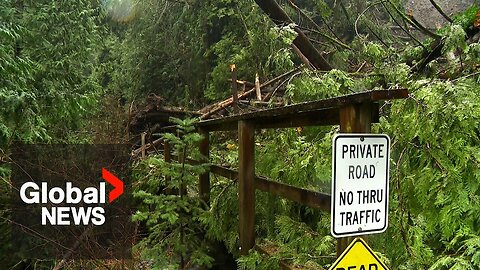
(304, 196)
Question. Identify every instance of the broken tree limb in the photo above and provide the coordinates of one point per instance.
(142, 148)
(405, 29)
(423, 28)
(279, 17)
(435, 51)
(271, 94)
(234, 87)
(148, 146)
(408, 18)
(429, 55)
(302, 57)
(257, 87)
(207, 111)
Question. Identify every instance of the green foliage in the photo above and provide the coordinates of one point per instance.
(16, 74)
(299, 238)
(435, 138)
(251, 43)
(255, 260)
(295, 244)
(323, 9)
(56, 62)
(159, 47)
(310, 85)
(184, 49)
(48, 83)
(292, 157)
(374, 53)
(224, 204)
(280, 57)
(172, 207)
(466, 18)
(437, 170)
(455, 39)
(48, 56)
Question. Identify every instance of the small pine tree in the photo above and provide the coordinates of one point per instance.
(171, 205)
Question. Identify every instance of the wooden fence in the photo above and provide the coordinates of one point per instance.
(354, 113)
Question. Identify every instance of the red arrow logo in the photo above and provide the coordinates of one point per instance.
(115, 182)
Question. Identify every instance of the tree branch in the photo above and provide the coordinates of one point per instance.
(414, 23)
(401, 27)
(279, 17)
(309, 19)
(439, 9)
(334, 40)
(363, 12)
(422, 28)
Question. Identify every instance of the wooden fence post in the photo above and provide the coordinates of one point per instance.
(233, 69)
(204, 179)
(246, 185)
(355, 118)
(143, 143)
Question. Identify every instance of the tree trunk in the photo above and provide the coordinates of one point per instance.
(279, 17)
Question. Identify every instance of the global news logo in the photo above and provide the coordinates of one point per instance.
(90, 201)
(71, 199)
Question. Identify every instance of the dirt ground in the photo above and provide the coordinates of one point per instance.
(426, 14)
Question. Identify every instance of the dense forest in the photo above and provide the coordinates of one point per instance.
(77, 72)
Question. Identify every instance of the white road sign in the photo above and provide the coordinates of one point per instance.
(360, 184)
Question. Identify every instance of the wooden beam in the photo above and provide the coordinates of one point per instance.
(225, 172)
(303, 196)
(302, 57)
(147, 147)
(300, 119)
(307, 197)
(244, 83)
(246, 185)
(261, 103)
(204, 179)
(311, 109)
